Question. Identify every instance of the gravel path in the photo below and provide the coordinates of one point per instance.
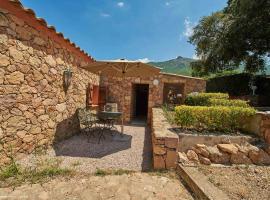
(125, 187)
(132, 152)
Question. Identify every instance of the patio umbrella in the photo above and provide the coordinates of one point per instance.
(122, 68)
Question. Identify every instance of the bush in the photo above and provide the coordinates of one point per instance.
(221, 118)
(226, 102)
(202, 99)
(236, 85)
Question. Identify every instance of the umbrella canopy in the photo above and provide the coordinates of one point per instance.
(121, 68)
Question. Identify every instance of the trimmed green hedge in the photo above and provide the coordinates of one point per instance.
(227, 102)
(221, 118)
(213, 99)
(202, 99)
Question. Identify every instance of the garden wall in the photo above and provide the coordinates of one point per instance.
(34, 108)
(260, 125)
(164, 141)
(191, 149)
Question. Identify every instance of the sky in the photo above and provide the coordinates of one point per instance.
(145, 30)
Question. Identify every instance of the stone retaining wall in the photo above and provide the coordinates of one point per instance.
(34, 109)
(186, 141)
(164, 141)
(226, 153)
(201, 149)
(260, 125)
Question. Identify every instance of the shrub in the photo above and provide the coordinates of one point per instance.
(202, 99)
(226, 102)
(219, 118)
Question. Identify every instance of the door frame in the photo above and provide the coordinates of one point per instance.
(133, 100)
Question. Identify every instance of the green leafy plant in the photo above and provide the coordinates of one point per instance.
(168, 113)
(10, 170)
(202, 99)
(227, 102)
(14, 175)
(100, 172)
(221, 118)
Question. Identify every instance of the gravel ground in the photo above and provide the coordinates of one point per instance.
(125, 187)
(130, 152)
(241, 182)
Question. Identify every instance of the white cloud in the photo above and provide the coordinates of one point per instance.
(195, 57)
(188, 27)
(105, 15)
(167, 3)
(143, 60)
(120, 4)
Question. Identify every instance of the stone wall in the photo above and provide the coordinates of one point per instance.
(260, 125)
(34, 108)
(169, 147)
(164, 141)
(226, 153)
(117, 88)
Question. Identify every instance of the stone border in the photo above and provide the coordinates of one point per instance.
(186, 141)
(199, 184)
(260, 125)
(165, 142)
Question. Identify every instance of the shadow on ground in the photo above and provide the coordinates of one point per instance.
(147, 151)
(79, 146)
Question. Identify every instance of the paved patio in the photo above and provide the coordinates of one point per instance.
(132, 152)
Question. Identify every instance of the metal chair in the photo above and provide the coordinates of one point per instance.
(89, 122)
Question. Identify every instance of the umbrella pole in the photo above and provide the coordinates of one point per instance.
(123, 103)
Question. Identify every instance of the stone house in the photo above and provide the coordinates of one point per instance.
(142, 94)
(35, 110)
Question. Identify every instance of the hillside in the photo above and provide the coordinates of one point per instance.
(179, 65)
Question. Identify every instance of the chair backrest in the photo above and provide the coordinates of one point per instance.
(86, 116)
(111, 107)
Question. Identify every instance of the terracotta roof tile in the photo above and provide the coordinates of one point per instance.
(43, 22)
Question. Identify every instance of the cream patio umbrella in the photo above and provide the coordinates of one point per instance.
(122, 68)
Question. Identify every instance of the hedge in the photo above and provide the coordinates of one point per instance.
(238, 85)
(226, 102)
(235, 85)
(220, 118)
(202, 99)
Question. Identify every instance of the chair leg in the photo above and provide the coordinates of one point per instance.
(101, 134)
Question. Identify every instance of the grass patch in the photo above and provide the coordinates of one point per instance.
(169, 114)
(11, 170)
(100, 172)
(118, 172)
(14, 175)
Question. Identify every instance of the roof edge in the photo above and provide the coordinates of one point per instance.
(190, 77)
(16, 8)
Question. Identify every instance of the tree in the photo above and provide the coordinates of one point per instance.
(237, 35)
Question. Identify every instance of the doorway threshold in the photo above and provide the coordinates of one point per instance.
(139, 121)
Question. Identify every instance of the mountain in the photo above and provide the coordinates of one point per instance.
(179, 65)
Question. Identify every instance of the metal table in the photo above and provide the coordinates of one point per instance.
(108, 119)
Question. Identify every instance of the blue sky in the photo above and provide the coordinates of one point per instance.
(133, 29)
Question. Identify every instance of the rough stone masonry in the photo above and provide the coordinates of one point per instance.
(34, 109)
